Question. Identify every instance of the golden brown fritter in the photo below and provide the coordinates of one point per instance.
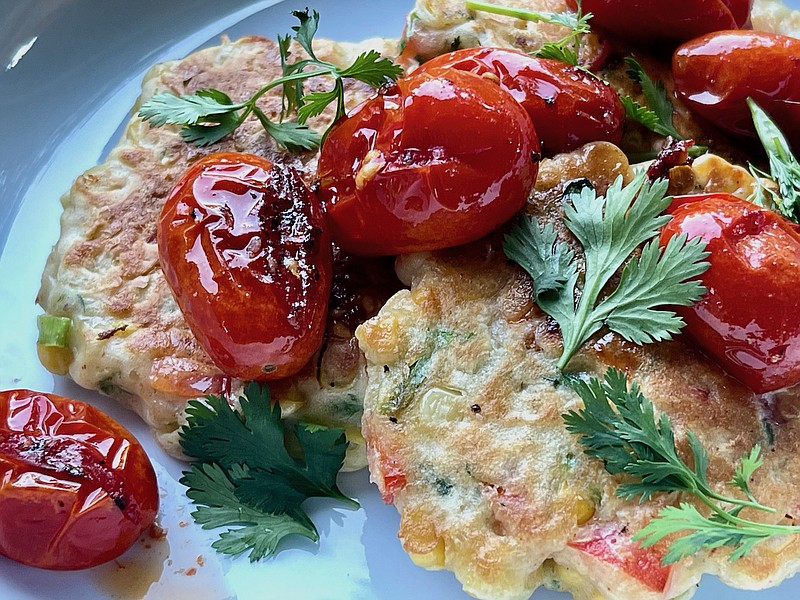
(128, 337)
(465, 435)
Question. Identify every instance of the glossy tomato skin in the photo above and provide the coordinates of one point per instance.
(439, 159)
(748, 321)
(76, 488)
(654, 21)
(568, 107)
(244, 246)
(715, 74)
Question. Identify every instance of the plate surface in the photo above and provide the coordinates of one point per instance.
(69, 73)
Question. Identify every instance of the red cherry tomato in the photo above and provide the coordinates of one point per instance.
(568, 106)
(438, 159)
(244, 247)
(76, 488)
(611, 545)
(716, 73)
(659, 21)
(748, 321)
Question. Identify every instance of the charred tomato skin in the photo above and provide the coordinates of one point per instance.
(438, 159)
(656, 21)
(716, 73)
(76, 488)
(748, 320)
(244, 246)
(568, 106)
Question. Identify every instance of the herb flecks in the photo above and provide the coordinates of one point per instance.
(610, 228)
(784, 167)
(209, 115)
(246, 480)
(567, 48)
(619, 426)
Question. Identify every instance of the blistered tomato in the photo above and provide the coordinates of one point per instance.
(439, 159)
(748, 320)
(76, 488)
(244, 247)
(716, 73)
(568, 106)
(654, 21)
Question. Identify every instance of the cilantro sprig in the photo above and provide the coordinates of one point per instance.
(610, 228)
(246, 480)
(567, 48)
(209, 115)
(618, 425)
(657, 116)
(784, 167)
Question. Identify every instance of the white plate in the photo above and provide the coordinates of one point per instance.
(69, 72)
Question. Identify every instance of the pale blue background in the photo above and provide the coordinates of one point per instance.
(59, 107)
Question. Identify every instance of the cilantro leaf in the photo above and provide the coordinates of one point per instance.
(249, 529)
(655, 279)
(658, 117)
(292, 136)
(610, 228)
(537, 251)
(292, 91)
(304, 32)
(784, 166)
(316, 102)
(555, 51)
(209, 115)
(749, 464)
(373, 69)
(210, 132)
(640, 114)
(169, 109)
(618, 425)
(700, 533)
(567, 19)
(246, 477)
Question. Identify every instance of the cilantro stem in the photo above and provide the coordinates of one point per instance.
(209, 115)
(566, 49)
(301, 76)
(589, 322)
(619, 425)
(792, 529)
(516, 13)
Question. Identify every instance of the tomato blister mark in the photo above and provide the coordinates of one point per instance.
(716, 73)
(747, 322)
(76, 488)
(438, 159)
(659, 22)
(251, 271)
(568, 107)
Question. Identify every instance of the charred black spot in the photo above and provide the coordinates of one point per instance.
(120, 501)
(389, 89)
